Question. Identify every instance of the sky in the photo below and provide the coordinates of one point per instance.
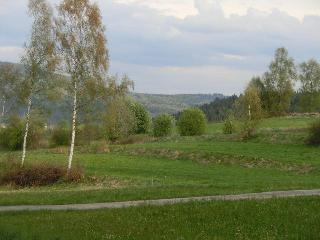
(188, 46)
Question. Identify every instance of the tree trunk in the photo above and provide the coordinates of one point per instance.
(3, 107)
(26, 132)
(73, 127)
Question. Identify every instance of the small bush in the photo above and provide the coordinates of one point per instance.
(88, 133)
(228, 127)
(119, 120)
(248, 129)
(11, 137)
(163, 125)
(192, 122)
(60, 135)
(38, 175)
(142, 118)
(314, 134)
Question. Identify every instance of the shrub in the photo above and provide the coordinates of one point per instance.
(119, 120)
(36, 135)
(248, 129)
(192, 122)
(314, 134)
(163, 125)
(228, 127)
(142, 118)
(39, 175)
(11, 137)
(88, 133)
(60, 135)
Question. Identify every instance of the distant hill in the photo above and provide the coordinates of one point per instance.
(160, 103)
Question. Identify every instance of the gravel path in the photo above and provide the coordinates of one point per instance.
(160, 202)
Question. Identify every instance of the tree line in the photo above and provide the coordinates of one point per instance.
(285, 87)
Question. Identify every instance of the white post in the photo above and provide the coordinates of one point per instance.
(249, 112)
(73, 127)
(26, 132)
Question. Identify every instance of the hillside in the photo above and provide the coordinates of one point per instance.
(159, 103)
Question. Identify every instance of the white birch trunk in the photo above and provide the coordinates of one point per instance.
(73, 127)
(24, 149)
(3, 107)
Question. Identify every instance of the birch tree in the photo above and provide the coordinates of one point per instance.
(82, 45)
(309, 76)
(39, 60)
(279, 82)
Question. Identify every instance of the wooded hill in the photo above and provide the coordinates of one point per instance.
(160, 103)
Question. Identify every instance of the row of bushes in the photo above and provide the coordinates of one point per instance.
(191, 122)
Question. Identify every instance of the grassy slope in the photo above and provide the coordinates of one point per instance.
(268, 219)
(272, 123)
(156, 172)
(146, 175)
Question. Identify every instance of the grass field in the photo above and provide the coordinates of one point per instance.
(277, 159)
(182, 166)
(268, 219)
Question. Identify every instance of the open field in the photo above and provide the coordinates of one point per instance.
(277, 159)
(297, 218)
(182, 167)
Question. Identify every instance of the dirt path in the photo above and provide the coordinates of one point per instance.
(160, 202)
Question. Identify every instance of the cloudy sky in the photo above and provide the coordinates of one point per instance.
(189, 46)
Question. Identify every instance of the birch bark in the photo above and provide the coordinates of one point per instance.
(73, 136)
(24, 149)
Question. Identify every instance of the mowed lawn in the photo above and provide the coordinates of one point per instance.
(179, 167)
(297, 218)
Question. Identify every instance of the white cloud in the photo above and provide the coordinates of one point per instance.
(183, 8)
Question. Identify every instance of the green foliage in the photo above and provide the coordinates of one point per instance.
(278, 82)
(89, 132)
(60, 135)
(142, 118)
(249, 111)
(314, 134)
(11, 137)
(228, 126)
(163, 125)
(218, 110)
(310, 86)
(119, 120)
(192, 122)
